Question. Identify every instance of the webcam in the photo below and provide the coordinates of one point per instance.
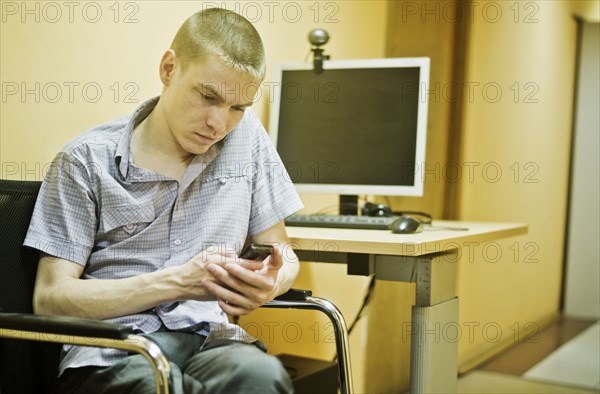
(317, 38)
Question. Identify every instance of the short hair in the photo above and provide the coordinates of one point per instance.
(225, 34)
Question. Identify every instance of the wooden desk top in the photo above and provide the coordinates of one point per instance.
(432, 239)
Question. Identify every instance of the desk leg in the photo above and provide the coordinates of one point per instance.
(435, 330)
(434, 348)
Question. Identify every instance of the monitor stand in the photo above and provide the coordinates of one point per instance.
(348, 204)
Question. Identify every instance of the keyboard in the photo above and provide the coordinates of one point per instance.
(340, 221)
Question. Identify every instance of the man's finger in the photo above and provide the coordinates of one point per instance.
(254, 279)
(251, 265)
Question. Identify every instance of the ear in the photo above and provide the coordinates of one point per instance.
(167, 67)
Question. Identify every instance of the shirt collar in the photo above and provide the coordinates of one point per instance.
(123, 152)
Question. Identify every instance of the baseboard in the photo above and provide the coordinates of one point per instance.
(501, 346)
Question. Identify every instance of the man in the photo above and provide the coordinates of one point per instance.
(140, 220)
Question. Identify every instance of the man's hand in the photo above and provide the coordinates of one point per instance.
(242, 286)
(195, 272)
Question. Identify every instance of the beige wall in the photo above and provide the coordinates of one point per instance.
(65, 68)
(121, 59)
(526, 134)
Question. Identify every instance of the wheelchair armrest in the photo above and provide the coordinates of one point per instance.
(64, 325)
(302, 299)
(87, 332)
(294, 295)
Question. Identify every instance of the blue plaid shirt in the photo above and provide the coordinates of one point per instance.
(98, 209)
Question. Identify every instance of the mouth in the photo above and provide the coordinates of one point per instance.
(205, 139)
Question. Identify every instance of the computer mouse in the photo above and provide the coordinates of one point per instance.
(406, 225)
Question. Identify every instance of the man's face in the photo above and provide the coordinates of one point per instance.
(205, 102)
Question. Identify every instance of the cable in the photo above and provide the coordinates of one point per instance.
(427, 217)
(363, 308)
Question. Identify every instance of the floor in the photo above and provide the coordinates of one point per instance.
(563, 358)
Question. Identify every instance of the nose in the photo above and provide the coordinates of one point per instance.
(216, 119)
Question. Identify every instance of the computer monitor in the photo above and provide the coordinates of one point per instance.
(357, 128)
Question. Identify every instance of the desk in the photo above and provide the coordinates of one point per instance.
(427, 259)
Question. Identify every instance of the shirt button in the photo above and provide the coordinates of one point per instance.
(177, 242)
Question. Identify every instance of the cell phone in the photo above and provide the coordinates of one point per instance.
(256, 252)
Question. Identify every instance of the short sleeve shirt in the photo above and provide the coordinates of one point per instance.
(98, 209)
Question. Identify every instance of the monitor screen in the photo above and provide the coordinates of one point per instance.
(359, 127)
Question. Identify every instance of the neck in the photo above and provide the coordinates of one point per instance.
(154, 148)
(151, 138)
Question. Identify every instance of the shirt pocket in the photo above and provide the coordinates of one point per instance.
(227, 200)
(128, 219)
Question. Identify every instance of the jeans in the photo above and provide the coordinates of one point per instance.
(221, 366)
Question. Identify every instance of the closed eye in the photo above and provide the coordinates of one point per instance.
(208, 98)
